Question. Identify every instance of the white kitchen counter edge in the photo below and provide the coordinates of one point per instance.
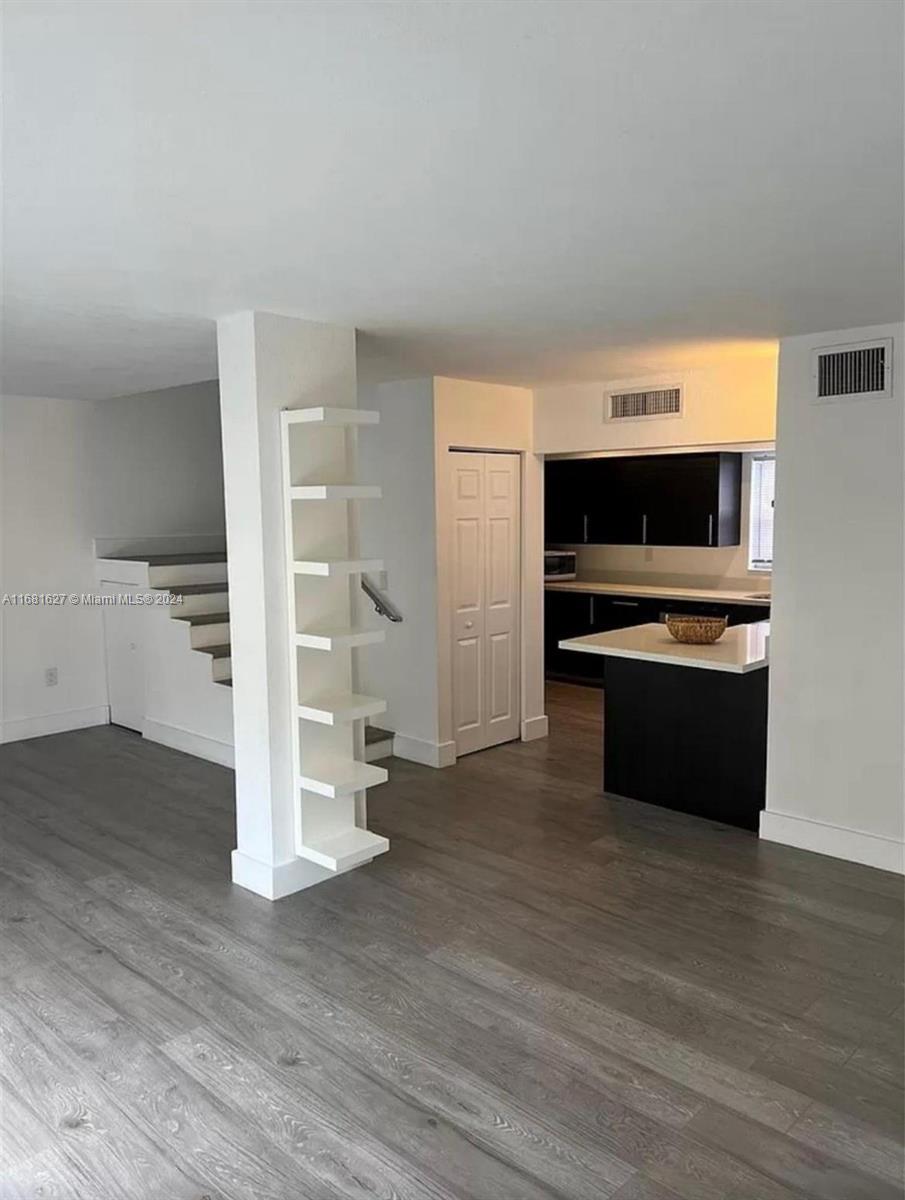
(646, 643)
(648, 591)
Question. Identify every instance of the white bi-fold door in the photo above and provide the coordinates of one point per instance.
(486, 537)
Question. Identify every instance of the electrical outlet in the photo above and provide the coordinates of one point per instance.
(382, 580)
(51, 677)
(648, 554)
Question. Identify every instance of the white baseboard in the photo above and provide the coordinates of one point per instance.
(273, 881)
(190, 743)
(834, 840)
(534, 728)
(429, 754)
(60, 722)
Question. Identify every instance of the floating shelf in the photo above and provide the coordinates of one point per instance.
(335, 491)
(333, 639)
(346, 849)
(338, 708)
(330, 416)
(343, 779)
(337, 566)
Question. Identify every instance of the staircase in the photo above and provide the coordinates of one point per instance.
(203, 606)
(199, 580)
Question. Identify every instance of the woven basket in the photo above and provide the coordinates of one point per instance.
(695, 631)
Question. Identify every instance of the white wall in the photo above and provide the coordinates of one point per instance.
(71, 470)
(408, 454)
(158, 463)
(46, 509)
(399, 455)
(835, 763)
(729, 402)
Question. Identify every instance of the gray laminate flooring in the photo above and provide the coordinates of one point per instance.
(539, 992)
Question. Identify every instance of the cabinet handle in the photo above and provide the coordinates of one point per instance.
(591, 598)
(585, 538)
(628, 603)
(644, 530)
(710, 530)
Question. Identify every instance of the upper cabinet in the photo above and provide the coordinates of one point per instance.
(645, 500)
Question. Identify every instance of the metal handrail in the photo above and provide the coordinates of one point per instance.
(383, 605)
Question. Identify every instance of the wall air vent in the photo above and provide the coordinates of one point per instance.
(653, 402)
(843, 372)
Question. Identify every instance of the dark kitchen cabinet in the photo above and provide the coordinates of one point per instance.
(567, 501)
(645, 500)
(694, 500)
(567, 615)
(621, 612)
(621, 488)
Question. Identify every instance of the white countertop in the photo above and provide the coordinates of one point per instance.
(742, 648)
(657, 593)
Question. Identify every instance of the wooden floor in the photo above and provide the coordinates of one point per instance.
(538, 992)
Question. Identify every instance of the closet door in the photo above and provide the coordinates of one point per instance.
(486, 599)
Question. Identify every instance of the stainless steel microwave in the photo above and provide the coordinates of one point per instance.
(559, 564)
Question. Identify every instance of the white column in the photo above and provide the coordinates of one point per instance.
(267, 363)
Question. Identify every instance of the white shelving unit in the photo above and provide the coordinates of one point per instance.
(323, 569)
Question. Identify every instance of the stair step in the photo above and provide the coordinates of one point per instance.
(220, 618)
(221, 650)
(344, 849)
(196, 589)
(226, 682)
(373, 733)
(171, 560)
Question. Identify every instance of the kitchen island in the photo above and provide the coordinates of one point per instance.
(685, 727)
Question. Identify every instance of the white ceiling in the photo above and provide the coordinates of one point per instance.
(517, 191)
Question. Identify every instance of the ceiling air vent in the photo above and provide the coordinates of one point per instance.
(654, 402)
(865, 369)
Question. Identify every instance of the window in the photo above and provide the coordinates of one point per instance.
(760, 517)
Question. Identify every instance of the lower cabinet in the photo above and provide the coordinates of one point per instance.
(566, 615)
(575, 614)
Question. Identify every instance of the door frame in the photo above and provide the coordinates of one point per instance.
(532, 719)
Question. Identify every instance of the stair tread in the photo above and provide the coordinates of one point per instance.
(222, 650)
(221, 618)
(171, 560)
(193, 589)
(373, 733)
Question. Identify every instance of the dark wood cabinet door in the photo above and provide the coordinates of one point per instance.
(618, 487)
(694, 500)
(682, 501)
(567, 615)
(621, 612)
(566, 502)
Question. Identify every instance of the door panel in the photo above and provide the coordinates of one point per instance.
(502, 701)
(486, 599)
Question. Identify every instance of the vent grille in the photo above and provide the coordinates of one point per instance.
(864, 370)
(656, 402)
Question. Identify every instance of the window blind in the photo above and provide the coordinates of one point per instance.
(760, 529)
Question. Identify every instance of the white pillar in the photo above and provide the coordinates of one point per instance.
(267, 363)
